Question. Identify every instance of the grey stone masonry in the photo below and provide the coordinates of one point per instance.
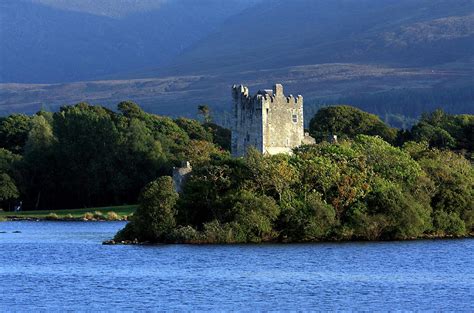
(180, 174)
(269, 121)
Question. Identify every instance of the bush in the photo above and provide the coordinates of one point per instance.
(185, 234)
(448, 223)
(112, 216)
(88, 216)
(254, 215)
(52, 217)
(321, 218)
(215, 232)
(155, 215)
(127, 233)
(98, 215)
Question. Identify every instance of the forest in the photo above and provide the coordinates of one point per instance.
(375, 182)
(84, 156)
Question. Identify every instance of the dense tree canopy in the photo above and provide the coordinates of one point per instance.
(347, 122)
(88, 155)
(445, 131)
(363, 188)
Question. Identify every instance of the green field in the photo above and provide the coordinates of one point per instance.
(75, 213)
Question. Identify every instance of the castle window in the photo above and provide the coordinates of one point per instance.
(267, 111)
(248, 137)
(295, 118)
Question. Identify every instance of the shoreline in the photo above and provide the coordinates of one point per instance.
(423, 237)
(61, 219)
(136, 242)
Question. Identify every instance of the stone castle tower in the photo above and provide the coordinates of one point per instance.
(269, 121)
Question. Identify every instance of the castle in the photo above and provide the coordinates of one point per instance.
(269, 121)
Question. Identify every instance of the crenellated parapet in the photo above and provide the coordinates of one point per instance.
(240, 91)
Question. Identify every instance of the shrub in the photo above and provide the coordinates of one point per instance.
(321, 217)
(254, 215)
(52, 217)
(112, 216)
(98, 215)
(155, 215)
(448, 223)
(69, 216)
(88, 216)
(126, 233)
(185, 234)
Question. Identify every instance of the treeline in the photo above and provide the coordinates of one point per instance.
(403, 107)
(438, 129)
(83, 155)
(375, 182)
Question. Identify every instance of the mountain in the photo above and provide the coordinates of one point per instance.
(46, 43)
(279, 33)
(390, 56)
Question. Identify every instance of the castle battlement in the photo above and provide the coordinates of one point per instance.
(267, 120)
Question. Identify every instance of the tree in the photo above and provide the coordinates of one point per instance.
(221, 136)
(155, 215)
(86, 154)
(8, 187)
(38, 166)
(14, 132)
(194, 129)
(8, 190)
(445, 131)
(204, 111)
(453, 178)
(130, 109)
(348, 122)
(254, 216)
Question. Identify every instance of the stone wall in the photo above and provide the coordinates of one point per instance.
(269, 121)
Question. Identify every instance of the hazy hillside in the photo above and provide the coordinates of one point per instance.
(278, 33)
(42, 43)
(387, 56)
(111, 8)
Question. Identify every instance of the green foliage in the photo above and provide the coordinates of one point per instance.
(446, 131)
(8, 190)
(254, 216)
(194, 129)
(453, 178)
(155, 215)
(221, 135)
(359, 188)
(405, 216)
(388, 161)
(348, 122)
(448, 223)
(14, 132)
(130, 109)
(8, 187)
(86, 155)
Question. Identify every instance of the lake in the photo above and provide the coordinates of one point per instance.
(63, 265)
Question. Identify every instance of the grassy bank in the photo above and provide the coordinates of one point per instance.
(101, 213)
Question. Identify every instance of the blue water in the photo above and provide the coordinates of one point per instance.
(54, 265)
